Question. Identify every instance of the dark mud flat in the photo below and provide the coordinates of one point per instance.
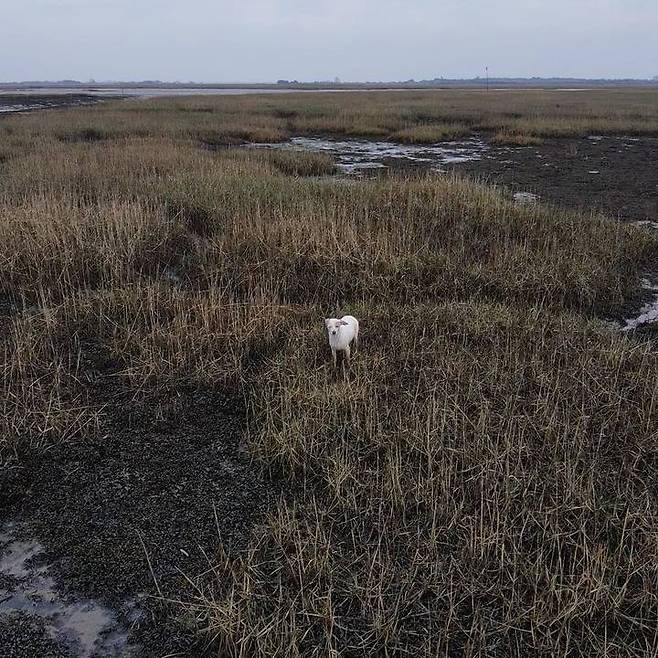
(23, 636)
(616, 175)
(33, 613)
(167, 476)
(12, 103)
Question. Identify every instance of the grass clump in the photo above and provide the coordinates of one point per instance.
(429, 134)
(481, 441)
(302, 163)
(84, 135)
(42, 402)
(512, 139)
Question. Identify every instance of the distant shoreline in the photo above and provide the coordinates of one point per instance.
(475, 83)
(24, 98)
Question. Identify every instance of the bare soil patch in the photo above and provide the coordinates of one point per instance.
(616, 175)
(166, 477)
(12, 103)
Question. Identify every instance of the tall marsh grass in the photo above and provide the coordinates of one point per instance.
(483, 480)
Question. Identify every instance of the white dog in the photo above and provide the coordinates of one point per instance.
(341, 333)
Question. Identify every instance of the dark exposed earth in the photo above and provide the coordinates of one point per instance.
(12, 103)
(94, 530)
(617, 175)
(121, 518)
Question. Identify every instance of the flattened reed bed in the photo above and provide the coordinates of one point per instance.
(483, 482)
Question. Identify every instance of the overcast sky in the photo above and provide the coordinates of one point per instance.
(262, 40)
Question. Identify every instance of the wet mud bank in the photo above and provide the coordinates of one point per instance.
(614, 175)
(98, 534)
(356, 156)
(18, 103)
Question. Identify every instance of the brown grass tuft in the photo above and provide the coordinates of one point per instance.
(512, 139)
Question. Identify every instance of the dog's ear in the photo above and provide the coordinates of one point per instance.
(326, 322)
(343, 322)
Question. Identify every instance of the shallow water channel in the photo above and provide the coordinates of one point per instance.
(353, 156)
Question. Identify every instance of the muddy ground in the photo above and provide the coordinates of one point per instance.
(94, 530)
(12, 103)
(165, 477)
(617, 175)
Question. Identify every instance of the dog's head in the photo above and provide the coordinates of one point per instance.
(333, 325)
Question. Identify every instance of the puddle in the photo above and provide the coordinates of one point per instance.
(354, 155)
(648, 314)
(84, 626)
(525, 197)
(647, 223)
